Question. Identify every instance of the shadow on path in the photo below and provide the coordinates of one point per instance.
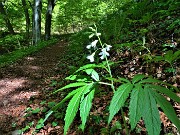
(22, 80)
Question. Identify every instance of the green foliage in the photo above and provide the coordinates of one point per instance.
(150, 113)
(74, 105)
(119, 99)
(144, 92)
(136, 105)
(85, 107)
(17, 54)
(11, 43)
(123, 25)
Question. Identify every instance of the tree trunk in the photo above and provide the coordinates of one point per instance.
(37, 21)
(50, 7)
(27, 17)
(6, 19)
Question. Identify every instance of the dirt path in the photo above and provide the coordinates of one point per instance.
(22, 80)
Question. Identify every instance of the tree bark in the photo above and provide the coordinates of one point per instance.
(50, 7)
(37, 21)
(27, 17)
(6, 19)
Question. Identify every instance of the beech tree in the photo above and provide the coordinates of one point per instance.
(37, 21)
(6, 19)
(27, 17)
(50, 7)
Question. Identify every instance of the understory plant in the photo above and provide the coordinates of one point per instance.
(146, 94)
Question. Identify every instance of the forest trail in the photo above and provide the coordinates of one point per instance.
(23, 80)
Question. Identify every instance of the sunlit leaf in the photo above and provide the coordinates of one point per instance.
(73, 107)
(150, 80)
(136, 105)
(118, 99)
(166, 91)
(168, 109)
(93, 74)
(85, 107)
(89, 66)
(65, 99)
(137, 78)
(150, 113)
(71, 85)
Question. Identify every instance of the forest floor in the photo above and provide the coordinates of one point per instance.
(24, 80)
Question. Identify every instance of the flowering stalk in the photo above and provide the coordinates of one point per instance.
(104, 48)
(109, 69)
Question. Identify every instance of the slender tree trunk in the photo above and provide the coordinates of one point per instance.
(6, 19)
(50, 7)
(37, 21)
(27, 17)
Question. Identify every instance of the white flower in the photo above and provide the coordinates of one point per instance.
(93, 44)
(88, 46)
(91, 57)
(103, 53)
(108, 47)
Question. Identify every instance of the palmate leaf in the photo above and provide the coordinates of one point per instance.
(73, 106)
(168, 109)
(118, 99)
(137, 78)
(151, 113)
(65, 99)
(150, 80)
(136, 105)
(166, 91)
(93, 74)
(85, 107)
(71, 85)
(89, 66)
(57, 106)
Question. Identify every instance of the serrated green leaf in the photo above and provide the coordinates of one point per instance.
(118, 99)
(93, 74)
(85, 107)
(71, 77)
(73, 107)
(150, 80)
(86, 67)
(136, 105)
(124, 80)
(151, 113)
(168, 109)
(166, 91)
(71, 85)
(59, 104)
(137, 78)
(65, 99)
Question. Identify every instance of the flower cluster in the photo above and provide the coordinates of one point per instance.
(104, 50)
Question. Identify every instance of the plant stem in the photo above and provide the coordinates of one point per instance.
(104, 83)
(124, 121)
(109, 69)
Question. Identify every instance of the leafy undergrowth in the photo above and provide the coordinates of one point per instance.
(141, 46)
(132, 64)
(23, 51)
